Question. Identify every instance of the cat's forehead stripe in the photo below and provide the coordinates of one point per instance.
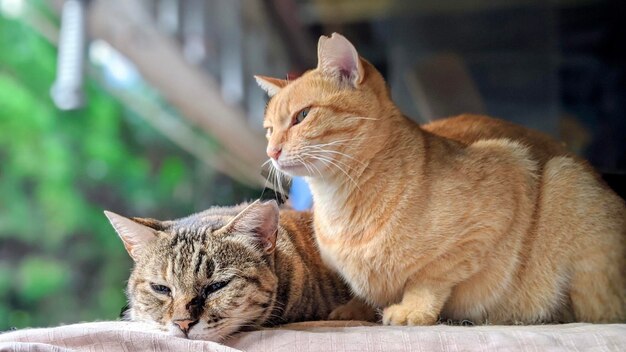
(204, 265)
(188, 256)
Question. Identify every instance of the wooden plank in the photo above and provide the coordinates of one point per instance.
(171, 127)
(354, 11)
(125, 25)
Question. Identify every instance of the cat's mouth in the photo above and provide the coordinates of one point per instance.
(291, 167)
(203, 332)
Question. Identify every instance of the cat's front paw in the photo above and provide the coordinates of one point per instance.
(404, 314)
(351, 311)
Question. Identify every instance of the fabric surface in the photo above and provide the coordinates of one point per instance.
(325, 336)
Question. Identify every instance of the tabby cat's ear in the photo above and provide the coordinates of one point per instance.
(133, 234)
(337, 58)
(270, 85)
(259, 219)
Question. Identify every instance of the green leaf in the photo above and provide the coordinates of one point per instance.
(39, 277)
(19, 319)
(6, 274)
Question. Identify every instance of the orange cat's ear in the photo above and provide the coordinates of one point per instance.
(133, 234)
(260, 220)
(337, 58)
(271, 85)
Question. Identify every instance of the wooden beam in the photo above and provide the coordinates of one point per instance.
(353, 11)
(185, 138)
(191, 91)
(126, 26)
(246, 169)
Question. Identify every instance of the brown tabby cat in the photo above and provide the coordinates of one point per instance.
(466, 218)
(214, 273)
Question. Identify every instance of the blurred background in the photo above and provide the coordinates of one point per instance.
(148, 108)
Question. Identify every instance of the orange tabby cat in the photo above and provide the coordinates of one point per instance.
(467, 218)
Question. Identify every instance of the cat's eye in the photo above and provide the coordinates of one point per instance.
(216, 286)
(302, 114)
(164, 290)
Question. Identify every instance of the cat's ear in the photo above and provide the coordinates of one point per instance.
(134, 234)
(337, 58)
(270, 85)
(260, 219)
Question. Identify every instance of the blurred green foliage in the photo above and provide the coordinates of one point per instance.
(60, 261)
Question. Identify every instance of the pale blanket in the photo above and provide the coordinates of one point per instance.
(325, 336)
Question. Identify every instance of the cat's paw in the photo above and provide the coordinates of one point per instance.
(404, 314)
(351, 311)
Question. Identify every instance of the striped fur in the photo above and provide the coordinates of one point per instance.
(286, 283)
(465, 218)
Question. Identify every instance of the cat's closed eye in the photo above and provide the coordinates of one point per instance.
(162, 289)
(214, 287)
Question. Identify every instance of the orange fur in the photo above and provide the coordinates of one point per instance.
(465, 218)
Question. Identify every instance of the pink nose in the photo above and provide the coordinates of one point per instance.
(185, 324)
(274, 152)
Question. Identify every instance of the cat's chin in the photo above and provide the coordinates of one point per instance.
(175, 332)
(215, 335)
(200, 332)
(295, 169)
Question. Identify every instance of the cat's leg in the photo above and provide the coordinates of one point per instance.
(598, 286)
(426, 292)
(592, 222)
(355, 309)
(420, 305)
(596, 299)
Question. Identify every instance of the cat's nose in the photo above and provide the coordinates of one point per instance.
(274, 152)
(185, 324)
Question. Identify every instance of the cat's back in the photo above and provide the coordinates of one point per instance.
(468, 129)
(567, 218)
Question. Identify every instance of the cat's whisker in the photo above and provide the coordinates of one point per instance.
(319, 149)
(331, 162)
(250, 324)
(319, 172)
(274, 177)
(316, 157)
(280, 310)
(360, 118)
(275, 182)
(278, 306)
(340, 162)
(275, 316)
(301, 161)
(342, 170)
(313, 166)
(274, 174)
(279, 181)
(339, 166)
(268, 178)
(279, 185)
(347, 140)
